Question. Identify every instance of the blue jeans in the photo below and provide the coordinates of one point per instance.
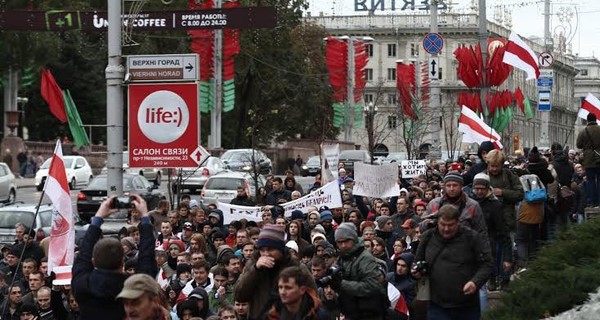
(436, 312)
(593, 185)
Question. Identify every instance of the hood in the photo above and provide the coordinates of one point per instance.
(486, 146)
(408, 258)
(560, 157)
(199, 291)
(222, 251)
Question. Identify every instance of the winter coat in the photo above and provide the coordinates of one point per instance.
(363, 292)
(96, 289)
(309, 310)
(274, 196)
(243, 201)
(258, 287)
(497, 229)
(588, 145)
(564, 168)
(541, 170)
(470, 211)
(512, 193)
(463, 258)
(405, 284)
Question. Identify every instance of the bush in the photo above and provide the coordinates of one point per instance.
(561, 277)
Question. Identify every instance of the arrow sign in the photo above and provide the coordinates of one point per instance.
(434, 70)
(189, 67)
(199, 155)
(545, 59)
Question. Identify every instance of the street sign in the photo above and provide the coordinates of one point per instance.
(63, 20)
(434, 68)
(200, 155)
(545, 59)
(166, 67)
(545, 82)
(544, 103)
(164, 125)
(433, 43)
(546, 73)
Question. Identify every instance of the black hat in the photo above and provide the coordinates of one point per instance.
(534, 155)
(183, 267)
(591, 117)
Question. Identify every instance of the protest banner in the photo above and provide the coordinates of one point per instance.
(330, 154)
(329, 196)
(413, 168)
(376, 181)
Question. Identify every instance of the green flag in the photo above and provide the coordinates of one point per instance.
(77, 131)
(528, 111)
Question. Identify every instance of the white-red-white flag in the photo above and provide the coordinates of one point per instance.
(62, 234)
(519, 55)
(474, 129)
(329, 156)
(590, 104)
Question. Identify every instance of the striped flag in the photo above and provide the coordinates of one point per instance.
(329, 157)
(519, 55)
(474, 129)
(590, 104)
(62, 235)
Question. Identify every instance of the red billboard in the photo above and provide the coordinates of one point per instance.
(164, 125)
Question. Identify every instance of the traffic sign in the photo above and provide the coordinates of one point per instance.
(545, 59)
(200, 155)
(545, 82)
(433, 43)
(434, 68)
(544, 103)
(165, 67)
(546, 73)
(164, 125)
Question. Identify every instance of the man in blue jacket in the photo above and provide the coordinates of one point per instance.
(98, 275)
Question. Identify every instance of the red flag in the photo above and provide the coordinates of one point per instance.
(590, 104)
(53, 95)
(62, 234)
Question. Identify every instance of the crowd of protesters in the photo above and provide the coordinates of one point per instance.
(434, 251)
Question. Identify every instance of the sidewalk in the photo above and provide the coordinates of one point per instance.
(25, 183)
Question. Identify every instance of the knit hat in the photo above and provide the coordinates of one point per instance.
(323, 243)
(481, 179)
(193, 203)
(326, 215)
(534, 155)
(345, 231)
(420, 203)
(292, 245)
(316, 236)
(297, 214)
(403, 190)
(183, 267)
(591, 117)
(128, 242)
(273, 236)
(319, 228)
(382, 220)
(409, 224)
(454, 176)
(178, 243)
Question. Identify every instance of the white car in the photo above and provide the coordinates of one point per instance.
(79, 172)
(8, 187)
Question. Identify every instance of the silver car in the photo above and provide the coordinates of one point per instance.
(193, 179)
(223, 187)
(8, 187)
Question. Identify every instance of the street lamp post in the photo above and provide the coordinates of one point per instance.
(370, 111)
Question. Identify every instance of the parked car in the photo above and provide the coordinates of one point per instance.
(89, 199)
(348, 157)
(395, 157)
(8, 187)
(21, 212)
(79, 172)
(312, 167)
(193, 179)
(223, 187)
(243, 160)
(153, 175)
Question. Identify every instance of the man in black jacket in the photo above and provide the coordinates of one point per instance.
(278, 192)
(98, 269)
(242, 198)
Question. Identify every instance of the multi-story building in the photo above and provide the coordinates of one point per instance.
(400, 37)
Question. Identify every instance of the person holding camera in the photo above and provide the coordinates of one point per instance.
(458, 261)
(98, 275)
(358, 277)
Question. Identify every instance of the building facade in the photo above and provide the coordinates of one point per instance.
(400, 37)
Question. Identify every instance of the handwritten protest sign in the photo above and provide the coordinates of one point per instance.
(376, 181)
(330, 154)
(413, 168)
(329, 195)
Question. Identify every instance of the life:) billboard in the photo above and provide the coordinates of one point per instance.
(164, 125)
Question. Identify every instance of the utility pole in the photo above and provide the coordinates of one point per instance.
(544, 139)
(435, 92)
(349, 118)
(215, 115)
(114, 101)
(483, 36)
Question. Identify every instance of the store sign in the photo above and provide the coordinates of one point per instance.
(393, 5)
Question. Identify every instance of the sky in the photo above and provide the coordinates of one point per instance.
(527, 17)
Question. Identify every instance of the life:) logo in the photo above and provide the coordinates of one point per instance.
(163, 116)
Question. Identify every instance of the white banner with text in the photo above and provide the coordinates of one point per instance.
(376, 181)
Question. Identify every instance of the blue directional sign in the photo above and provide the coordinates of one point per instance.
(545, 82)
(544, 103)
(433, 43)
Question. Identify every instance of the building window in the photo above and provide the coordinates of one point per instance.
(440, 73)
(369, 74)
(392, 99)
(392, 122)
(584, 72)
(391, 74)
(414, 50)
(368, 98)
(391, 49)
(369, 50)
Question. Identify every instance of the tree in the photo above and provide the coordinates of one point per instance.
(450, 112)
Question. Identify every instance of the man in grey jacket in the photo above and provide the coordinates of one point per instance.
(458, 262)
(589, 140)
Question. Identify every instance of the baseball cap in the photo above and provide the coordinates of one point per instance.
(409, 223)
(188, 225)
(137, 285)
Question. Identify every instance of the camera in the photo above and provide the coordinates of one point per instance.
(420, 267)
(333, 273)
(122, 203)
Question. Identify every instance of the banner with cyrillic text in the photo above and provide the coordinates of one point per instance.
(413, 168)
(329, 196)
(376, 181)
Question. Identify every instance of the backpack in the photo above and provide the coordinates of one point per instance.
(535, 192)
